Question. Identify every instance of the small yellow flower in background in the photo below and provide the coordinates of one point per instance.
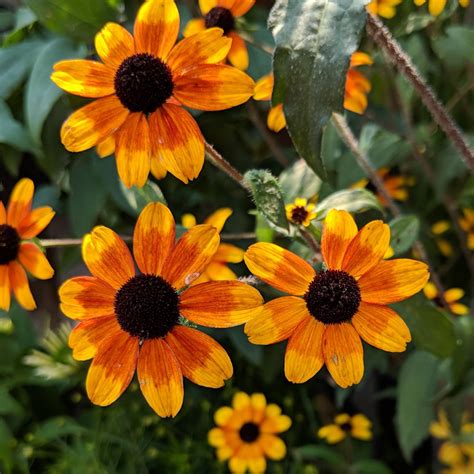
(223, 14)
(247, 433)
(19, 224)
(467, 225)
(436, 7)
(383, 8)
(330, 311)
(437, 229)
(226, 253)
(451, 296)
(301, 212)
(357, 426)
(132, 321)
(276, 120)
(141, 86)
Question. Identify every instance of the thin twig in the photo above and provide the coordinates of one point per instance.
(382, 36)
(312, 243)
(266, 48)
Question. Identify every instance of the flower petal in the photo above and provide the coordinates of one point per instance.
(275, 423)
(213, 87)
(207, 5)
(133, 150)
(156, 27)
(112, 369)
(229, 253)
(279, 267)
(35, 222)
(35, 261)
(343, 354)
(332, 433)
(273, 446)
(106, 147)
(220, 304)
(157, 168)
(339, 230)
(393, 280)
(238, 53)
(193, 251)
(86, 298)
(20, 286)
(114, 44)
(160, 378)
(107, 257)
(202, 359)
(218, 218)
(84, 78)
(276, 119)
(177, 141)
(381, 327)
(277, 321)
(453, 294)
(93, 123)
(3, 214)
(264, 88)
(241, 7)
(195, 25)
(5, 290)
(304, 352)
(19, 204)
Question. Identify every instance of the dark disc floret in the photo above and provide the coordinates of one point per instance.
(220, 17)
(147, 307)
(299, 214)
(333, 297)
(346, 427)
(9, 244)
(143, 83)
(249, 432)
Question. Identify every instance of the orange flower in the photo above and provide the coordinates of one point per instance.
(357, 426)
(467, 225)
(130, 321)
(226, 253)
(140, 87)
(332, 310)
(223, 14)
(383, 8)
(18, 225)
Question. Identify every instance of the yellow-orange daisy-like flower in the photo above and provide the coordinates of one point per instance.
(301, 212)
(134, 321)
(226, 253)
(357, 426)
(246, 433)
(223, 14)
(451, 296)
(330, 311)
(444, 245)
(19, 224)
(467, 225)
(436, 7)
(141, 85)
(383, 8)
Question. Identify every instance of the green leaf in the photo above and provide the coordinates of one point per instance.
(352, 200)
(267, 195)
(416, 389)
(138, 198)
(371, 466)
(55, 428)
(314, 43)
(464, 352)
(12, 132)
(252, 352)
(455, 48)
(404, 232)
(299, 180)
(313, 452)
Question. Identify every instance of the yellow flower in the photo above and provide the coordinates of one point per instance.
(141, 86)
(133, 321)
(223, 14)
(330, 311)
(301, 212)
(451, 296)
(226, 253)
(383, 8)
(19, 224)
(358, 426)
(246, 433)
(436, 7)
(467, 224)
(437, 229)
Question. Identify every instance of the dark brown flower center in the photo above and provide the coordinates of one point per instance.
(9, 244)
(143, 83)
(220, 17)
(299, 215)
(333, 297)
(347, 427)
(249, 432)
(147, 307)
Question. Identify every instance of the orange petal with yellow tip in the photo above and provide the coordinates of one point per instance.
(107, 257)
(193, 251)
(393, 280)
(84, 78)
(195, 25)
(213, 87)
(156, 27)
(339, 230)
(276, 119)
(220, 304)
(157, 168)
(381, 327)
(304, 352)
(202, 359)
(361, 59)
(206, 47)
(5, 291)
(264, 88)
(93, 123)
(35, 222)
(114, 44)
(280, 268)
(366, 249)
(241, 7)
(238, 53)
(153, 238)
(20, 286)
(207, 5)
(277, 321)
(86, 297)
(177, 141)
(160, 377)
(19, 204)
(35, 261)
(112, 369)
(106, 147)
(343, 354)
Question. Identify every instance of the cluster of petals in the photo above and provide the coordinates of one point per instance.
(357, 426)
